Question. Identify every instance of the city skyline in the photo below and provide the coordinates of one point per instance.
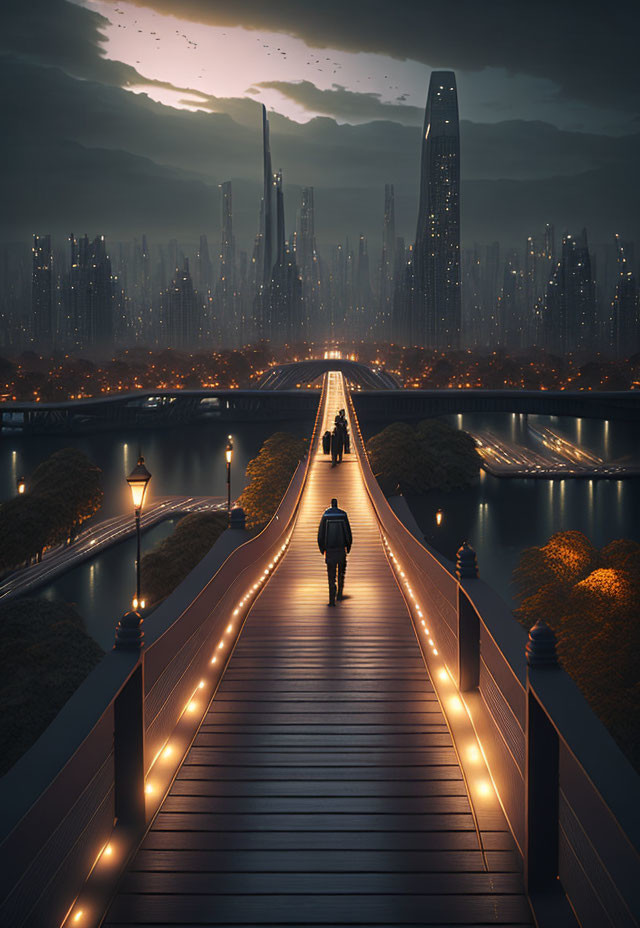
(420, 248)
(431, 293)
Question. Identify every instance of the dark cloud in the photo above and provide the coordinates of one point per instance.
(70, 37)
(589, 49)
(345, 105)
(85, 154)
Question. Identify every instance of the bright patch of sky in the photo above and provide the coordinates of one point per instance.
(227, 62)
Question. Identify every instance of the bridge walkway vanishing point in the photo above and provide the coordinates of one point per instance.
(323, 787)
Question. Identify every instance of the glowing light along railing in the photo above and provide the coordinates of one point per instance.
(192, 705)
(158, 779)
(79, 910)
(471, 754)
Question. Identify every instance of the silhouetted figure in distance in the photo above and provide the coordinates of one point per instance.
(341, 420)
(326, 442)
(337, 444)
(334, 541)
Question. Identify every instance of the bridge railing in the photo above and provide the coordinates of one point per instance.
(568, 793)
(76, 804)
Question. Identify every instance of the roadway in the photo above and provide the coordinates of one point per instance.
(556, 457)
(99, 536)
(323, 786)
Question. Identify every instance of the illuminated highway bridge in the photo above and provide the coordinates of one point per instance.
(265, 760)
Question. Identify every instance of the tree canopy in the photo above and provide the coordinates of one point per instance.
(270, 473)
(431, 455)
(63, 492)
(591, 598)
(166, 566)
(45, 654)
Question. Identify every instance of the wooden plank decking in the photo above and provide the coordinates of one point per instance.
(323, 787)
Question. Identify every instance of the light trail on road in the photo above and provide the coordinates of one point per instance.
(98, 537)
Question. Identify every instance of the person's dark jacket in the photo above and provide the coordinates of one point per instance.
(337, 440)
(326, 442)
(334, 530)
(341, 421)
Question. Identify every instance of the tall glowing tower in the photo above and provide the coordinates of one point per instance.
(436, 309)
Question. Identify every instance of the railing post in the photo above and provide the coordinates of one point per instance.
(541, 770)
(128, 729)
(468, 622)
(237, 518)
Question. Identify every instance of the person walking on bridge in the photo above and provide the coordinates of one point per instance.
(334, 541)
(337, 445)
(341, 420)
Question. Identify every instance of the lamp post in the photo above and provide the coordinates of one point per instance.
(229, 455)
(22, 485)
(138, 481)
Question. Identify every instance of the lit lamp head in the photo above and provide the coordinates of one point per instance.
(22, 485)
(229, 450)
(138, 481)
(439, 517)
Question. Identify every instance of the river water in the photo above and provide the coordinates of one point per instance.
(498, 516)
(501, 516)
(186, 460)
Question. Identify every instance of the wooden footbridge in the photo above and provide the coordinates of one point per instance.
(265, 760)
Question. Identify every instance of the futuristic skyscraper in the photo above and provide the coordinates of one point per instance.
(436, 309)
(269, 230)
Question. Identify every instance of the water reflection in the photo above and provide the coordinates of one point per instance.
(188, 461)
(183, 460)
(502, 517)
(101, 589)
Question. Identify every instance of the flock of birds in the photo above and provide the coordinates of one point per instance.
(333, 66)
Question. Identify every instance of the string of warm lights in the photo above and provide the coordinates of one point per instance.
(161, 773)
(168, 758)
(454, 706)
(446, 689)
(165, 764)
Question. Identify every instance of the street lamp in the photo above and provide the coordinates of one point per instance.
(22, 485)
(439, 517)
(229, 454)
(138, 481)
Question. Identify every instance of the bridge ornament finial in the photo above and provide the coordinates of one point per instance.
(466, 562)
(129, 633)
(541, 646)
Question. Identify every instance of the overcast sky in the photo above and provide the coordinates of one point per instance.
(124, 117)
(292, 76)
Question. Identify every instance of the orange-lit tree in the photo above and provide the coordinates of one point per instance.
(591, 598)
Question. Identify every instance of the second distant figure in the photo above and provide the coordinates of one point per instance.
(341, 420)
(334, 541)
